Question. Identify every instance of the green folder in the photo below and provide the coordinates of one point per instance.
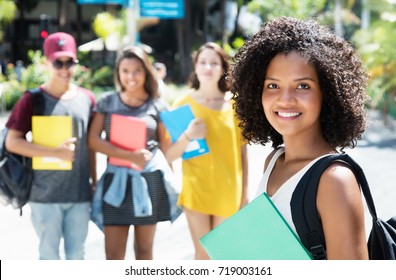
(256, 232)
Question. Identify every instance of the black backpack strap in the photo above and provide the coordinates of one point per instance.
(38, 110)
(303, 203)
(38, 101)
(304, 211)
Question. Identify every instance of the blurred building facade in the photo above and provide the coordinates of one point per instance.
(171, 40)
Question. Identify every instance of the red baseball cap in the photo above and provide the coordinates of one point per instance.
(60, 44)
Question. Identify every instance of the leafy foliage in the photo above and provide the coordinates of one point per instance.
(98, 80)
(231, 49)
(7, 14)
(106, 24)
(302, 9)
(32, 76)
(377, 48)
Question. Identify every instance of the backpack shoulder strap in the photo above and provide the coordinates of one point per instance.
(3, 135)
(303, 203)
(38, 101)
(304, 212)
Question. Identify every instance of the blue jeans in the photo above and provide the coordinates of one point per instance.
(52, 221)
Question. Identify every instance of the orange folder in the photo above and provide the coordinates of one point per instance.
(128, 133)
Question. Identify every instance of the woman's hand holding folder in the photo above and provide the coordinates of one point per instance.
(140, 157)
(196, 130)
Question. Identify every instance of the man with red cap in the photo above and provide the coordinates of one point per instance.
(59, 199)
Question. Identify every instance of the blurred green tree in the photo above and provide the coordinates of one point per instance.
(376, 44)
(7, 14)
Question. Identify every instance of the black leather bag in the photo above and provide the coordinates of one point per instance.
(382, 239)
(16, 176)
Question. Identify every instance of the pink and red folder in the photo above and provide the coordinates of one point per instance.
(128, 133)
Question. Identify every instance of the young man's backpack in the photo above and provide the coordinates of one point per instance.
(16, 174)
(382, 239)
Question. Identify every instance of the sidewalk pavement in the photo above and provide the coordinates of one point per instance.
(375, 152)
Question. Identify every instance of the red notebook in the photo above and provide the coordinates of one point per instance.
(129, 133)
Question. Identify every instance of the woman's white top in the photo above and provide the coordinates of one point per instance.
(283, 195)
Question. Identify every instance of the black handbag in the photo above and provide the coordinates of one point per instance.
(16, 176)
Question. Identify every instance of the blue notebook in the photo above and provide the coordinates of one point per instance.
(176, 122)
(256, 232)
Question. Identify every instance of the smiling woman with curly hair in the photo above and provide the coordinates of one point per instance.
(339, 71)
(301, 87)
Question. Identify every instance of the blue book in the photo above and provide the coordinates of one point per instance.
(176, 122)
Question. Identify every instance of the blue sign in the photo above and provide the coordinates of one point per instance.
(99, 2)
(165, 9)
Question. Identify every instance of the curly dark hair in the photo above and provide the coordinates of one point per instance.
(224, 83)
(129, 52)
(341, 76)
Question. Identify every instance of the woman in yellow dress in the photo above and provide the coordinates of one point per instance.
(215, 183)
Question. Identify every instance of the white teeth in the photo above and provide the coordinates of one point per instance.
(288, 115)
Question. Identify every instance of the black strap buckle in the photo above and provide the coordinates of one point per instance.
(318, 252)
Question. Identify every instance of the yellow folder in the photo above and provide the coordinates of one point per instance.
(256, 232)
(51, 131)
